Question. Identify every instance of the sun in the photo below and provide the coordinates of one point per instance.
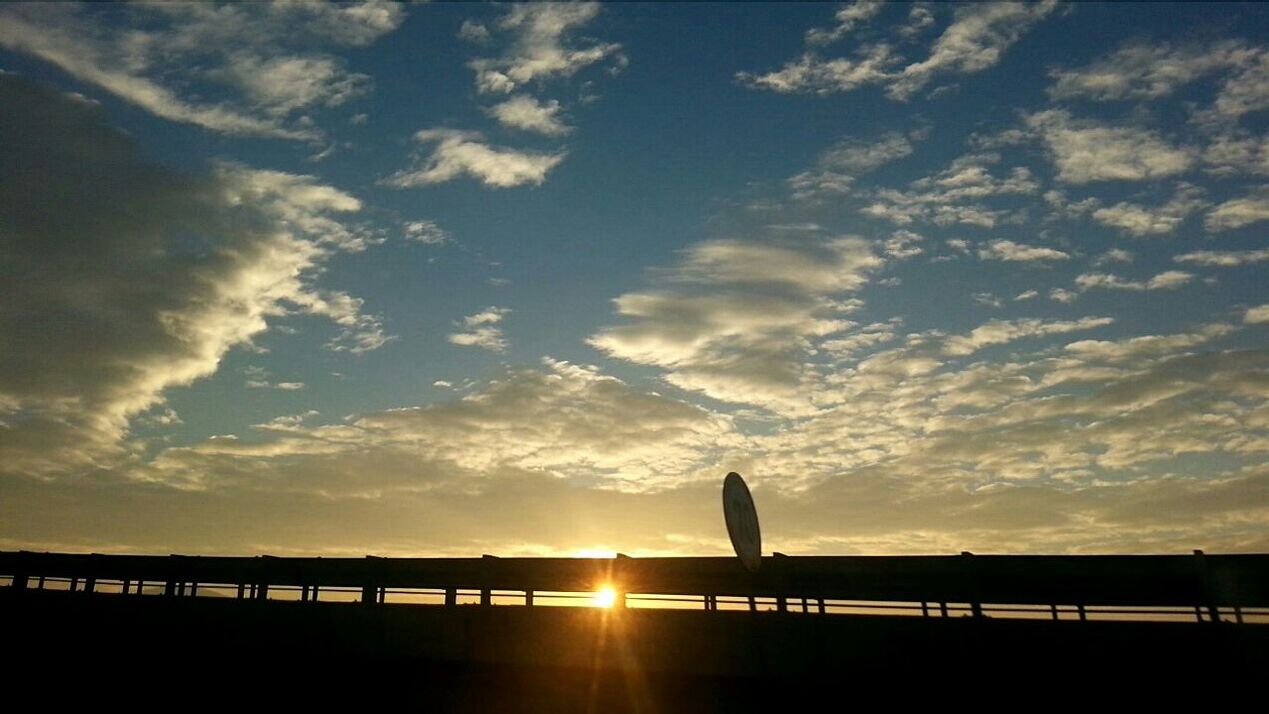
(605, 597)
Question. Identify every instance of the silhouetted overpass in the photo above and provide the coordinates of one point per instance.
(748, 634)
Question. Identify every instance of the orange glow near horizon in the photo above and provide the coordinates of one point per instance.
(605, 597)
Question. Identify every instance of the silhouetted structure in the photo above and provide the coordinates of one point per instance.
(720, 657)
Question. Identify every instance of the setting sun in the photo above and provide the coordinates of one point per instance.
(605, 597)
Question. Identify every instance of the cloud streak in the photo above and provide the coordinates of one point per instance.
(465, 153)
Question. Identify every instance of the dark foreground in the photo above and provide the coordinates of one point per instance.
(254, 655)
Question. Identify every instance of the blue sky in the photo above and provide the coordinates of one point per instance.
(530, 278)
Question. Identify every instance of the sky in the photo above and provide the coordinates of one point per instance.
(530, 279)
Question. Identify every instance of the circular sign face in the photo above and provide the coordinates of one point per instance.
(742, 521)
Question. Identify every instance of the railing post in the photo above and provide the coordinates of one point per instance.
(451, 596)
(21, 578)
(528, 598)
(975, 606)
(486, 595)
(370, 587)
(1206, 579)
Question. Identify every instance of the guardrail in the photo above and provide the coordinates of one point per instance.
(1212, 588)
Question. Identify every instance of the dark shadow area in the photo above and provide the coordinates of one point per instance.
(266, 654)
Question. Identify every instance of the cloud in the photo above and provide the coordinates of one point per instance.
(1224, 258)
(198, 264)
(474, 32)
(838, 264)
(257, 378)
(266, 54)
(846, 17)
(1085, 151)
(1026, 295)
(1069, 450)
(998, 332)
(809, 73)
(1239, 212)
(459, 153)
(1137, 220)
(1140, 70)
(1234, 152)
(526, 113)
(953, 195)
(1137, 348)
(975, 40)
(742, 314)
(1242, 93)
(1114, 255)
(1063, 296)
(482, 330)
(902, 244)
(839, 165)
(1008, 250)
(1167, 280)
(427, 233)
(564, 422)
(857, 156)
(1257, 315)
(542, 48)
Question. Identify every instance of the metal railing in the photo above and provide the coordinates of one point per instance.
(1207, 588)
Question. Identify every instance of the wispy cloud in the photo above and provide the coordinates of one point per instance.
(526, 113)
(1239, 212)
(542, 48)
(242, 47)
(1141, 70)
(1019, 252)
(481, 330)
(741, 315)
(465, 153)
(1167, 280)
(1138, 220)
(1085, 150)
(1224, 258)
(845, 19)
(974, 41)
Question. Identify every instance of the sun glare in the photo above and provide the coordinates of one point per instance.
(605, 597)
